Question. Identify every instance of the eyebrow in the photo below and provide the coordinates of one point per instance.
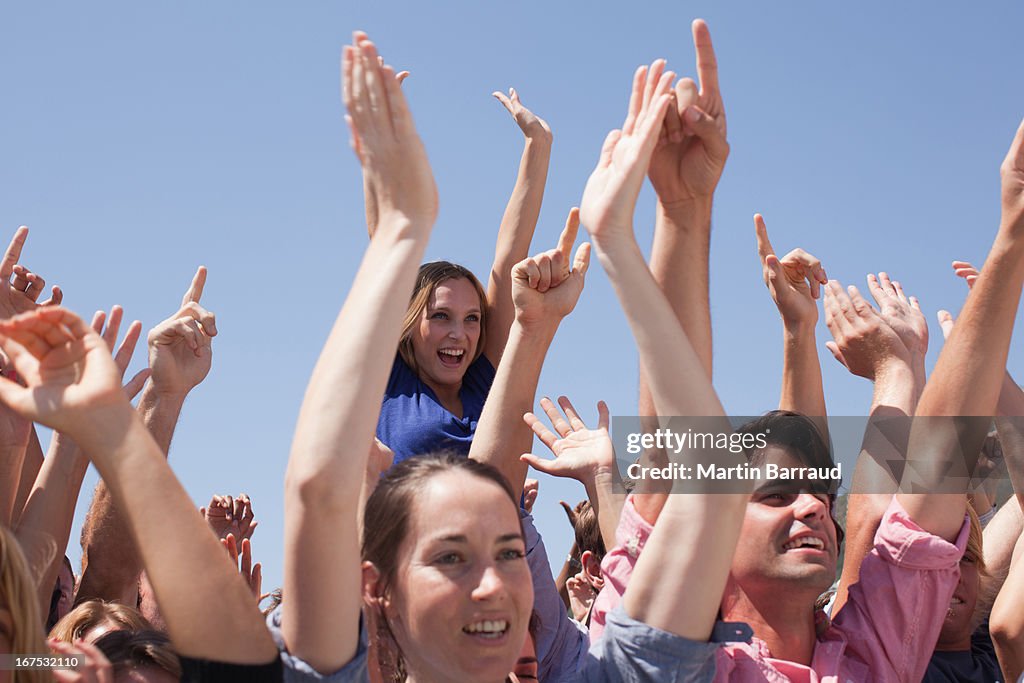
(461, 538)
(446, 309)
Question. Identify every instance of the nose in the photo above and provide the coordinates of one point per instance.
(809, 506)
(491, 585)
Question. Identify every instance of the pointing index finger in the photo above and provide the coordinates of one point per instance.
(568, 236)
(707, 63)
(13, 253)
(764, 247)
(195, 290)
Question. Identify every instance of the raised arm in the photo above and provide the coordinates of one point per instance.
(971, 368)
(180, 356)
(73, 386)
(884, 347)
(794, 283)
(45, 523)
(322, 581)
(517, 224)
(21, 456)
(583, 454)
(545, 290)
(691, 548)
(686, 165)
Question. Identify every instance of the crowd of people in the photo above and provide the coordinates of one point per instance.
(433, 569)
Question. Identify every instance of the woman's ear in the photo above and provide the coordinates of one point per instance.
(373, 586)
(592, 570)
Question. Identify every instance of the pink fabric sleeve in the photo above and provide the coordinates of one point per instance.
(630, 537)
(895, 612)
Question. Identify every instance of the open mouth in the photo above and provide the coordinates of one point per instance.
(487, 630)
(810, 542)
(451, 358)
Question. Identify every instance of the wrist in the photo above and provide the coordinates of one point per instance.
(528, 328)
(685, 207)
(798, 329)
(895, 368)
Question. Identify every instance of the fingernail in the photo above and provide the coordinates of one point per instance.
(692, 115)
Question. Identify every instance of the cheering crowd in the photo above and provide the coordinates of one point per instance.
(410, 549)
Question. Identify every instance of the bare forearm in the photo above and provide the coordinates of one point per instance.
(966, 381)
(30, 466)
(110, 563)
(513, 243)
(873, 486)
(188, 569)
(160, 412)
(501, 435)
(327, 464)
(606, 503)
(802, 390)
(50, 510)
(680, 257)
(12, 459)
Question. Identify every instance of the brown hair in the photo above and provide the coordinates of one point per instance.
(128, 650)
(588, 531)
(386, 525)
(798, 434)
(92, 613)
(430, 276)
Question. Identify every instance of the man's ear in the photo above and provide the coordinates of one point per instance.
(592, 570)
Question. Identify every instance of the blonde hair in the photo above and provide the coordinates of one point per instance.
(430, 276)
(18, 592)
(92, 613)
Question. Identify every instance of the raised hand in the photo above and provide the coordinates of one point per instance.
(864, 342)
(580, 453)
(545, 287)
(581, 596)
(794, 282)
(691, 153)
(968, 272)
(180, 348)
(1012, 175)
(530, 490)
(124, 352)
(903, 314)
(20, 294)
(610, 195)
(532, 125)
(251, 573)
(230, 516)
(66, 367)
(397, 173)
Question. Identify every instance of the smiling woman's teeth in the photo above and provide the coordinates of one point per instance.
(489, 629)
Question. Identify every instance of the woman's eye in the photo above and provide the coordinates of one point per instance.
(449, 558)
(512, 554)
(439, 316)
(473, 318)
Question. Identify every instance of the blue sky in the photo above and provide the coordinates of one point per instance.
(139, 141)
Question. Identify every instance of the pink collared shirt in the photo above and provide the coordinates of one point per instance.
(886, 631)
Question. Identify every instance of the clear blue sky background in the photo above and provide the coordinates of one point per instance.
(139, 141)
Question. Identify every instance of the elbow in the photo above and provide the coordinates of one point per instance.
(1006, 626)
(314, 489)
